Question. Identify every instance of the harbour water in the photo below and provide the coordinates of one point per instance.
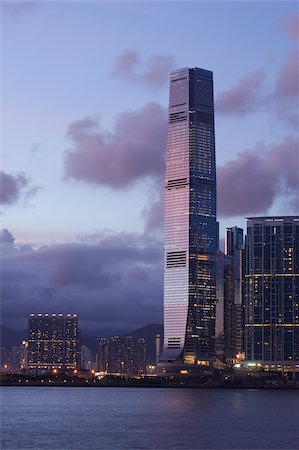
(65, 418)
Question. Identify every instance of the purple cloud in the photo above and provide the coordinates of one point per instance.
(6, 242)
(287, 84)
(126, 64)
(134, 150)
(153, 73)
(284, 98)
(110, 280)
(251, 182)
(6, 237)
(244, 97)
(250, 93)
(18, 7)
(12, 187)
(291, 24)
(154, 213)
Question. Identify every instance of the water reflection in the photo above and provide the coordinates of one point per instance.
(160, 419)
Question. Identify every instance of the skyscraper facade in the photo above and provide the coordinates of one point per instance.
(233, 309)
(224, 294)
(272, 291)
(191, 229)
(124, 355)
(53, 341)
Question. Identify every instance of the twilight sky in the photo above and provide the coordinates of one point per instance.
(84, 93)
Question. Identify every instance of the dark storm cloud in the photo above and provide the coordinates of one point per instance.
(134, 150)
(110, 279)
(153, 73)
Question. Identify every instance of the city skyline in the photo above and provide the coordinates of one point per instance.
(90, 188)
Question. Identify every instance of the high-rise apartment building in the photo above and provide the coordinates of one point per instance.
(233, 306)
(122, 355)
(53, 341)
(86, 361)
(191, 229)
(225, 297)
(19, 357)
(272, 291)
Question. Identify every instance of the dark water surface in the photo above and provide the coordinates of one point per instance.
(63, 418)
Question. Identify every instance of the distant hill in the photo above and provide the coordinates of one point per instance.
(89, 337)
(10, 338)
(149, 332)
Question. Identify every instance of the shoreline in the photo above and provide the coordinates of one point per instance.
(152, 386)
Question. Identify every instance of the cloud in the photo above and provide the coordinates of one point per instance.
(6, 237)
(284, 99)
(244, 97)
(6, 242)
(18, 7)
(126, 64)
(251, 182)
(110, 280)
(12, 187)
(134, 150)
(291, 24)
(153, 73)
(293, 28)
(251, 94)
(36, 147)
(15, 187)
(154, 213)
(287, 84)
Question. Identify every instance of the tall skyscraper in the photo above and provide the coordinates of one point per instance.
(53, 341)
(191, 229)
(272, 291)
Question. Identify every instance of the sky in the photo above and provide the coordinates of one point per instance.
(84, 96)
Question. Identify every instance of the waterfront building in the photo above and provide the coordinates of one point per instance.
(53, 341)
(121, 355)
(271, 292)
(191, 229)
